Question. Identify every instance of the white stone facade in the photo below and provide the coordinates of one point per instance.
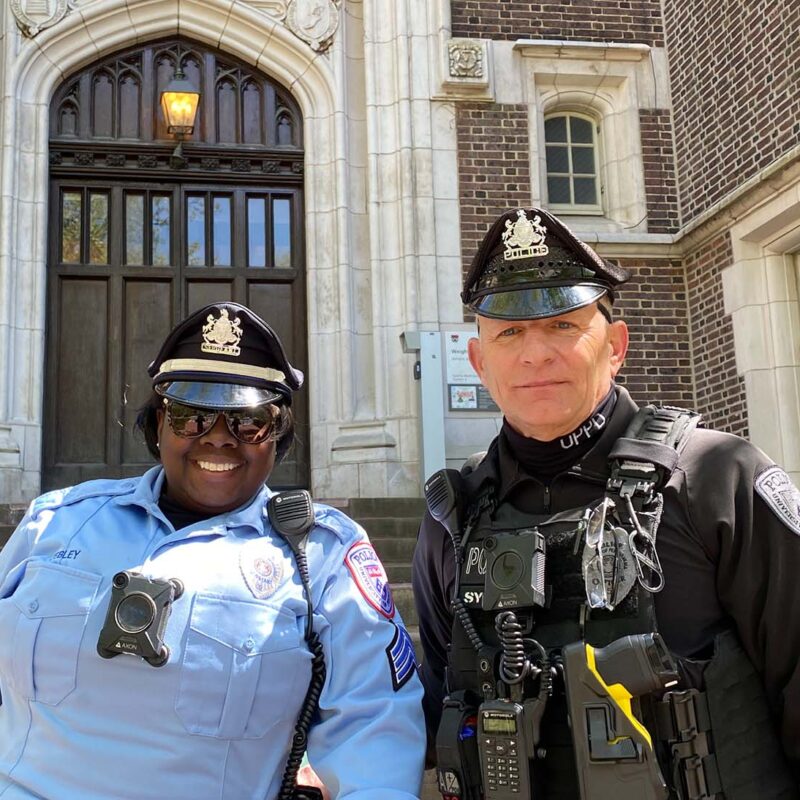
(376, 81)
(382, 233)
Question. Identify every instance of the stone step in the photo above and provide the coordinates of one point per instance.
(387, 507)
(12, 513)
(398, 571)
(5, 532)
(394, 549)
(404, 527)
(430, 789)
(10, 516)
(404, 600)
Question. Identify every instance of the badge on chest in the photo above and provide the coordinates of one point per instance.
(261, 564)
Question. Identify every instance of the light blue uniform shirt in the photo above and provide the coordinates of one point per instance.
(216, 721)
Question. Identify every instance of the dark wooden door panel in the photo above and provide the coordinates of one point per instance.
(147, 315)
(107, 320)
(201, 292)
(81, 356)
(277, 304)
(136, 244)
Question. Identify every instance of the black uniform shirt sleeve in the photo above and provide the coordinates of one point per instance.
(433, 576)
(757, 553)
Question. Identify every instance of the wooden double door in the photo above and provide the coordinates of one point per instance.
(128, 259)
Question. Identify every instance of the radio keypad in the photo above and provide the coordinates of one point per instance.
(502, 766)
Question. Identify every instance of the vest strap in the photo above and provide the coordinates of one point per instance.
(646, 455)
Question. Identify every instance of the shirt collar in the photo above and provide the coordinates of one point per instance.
(251, 514)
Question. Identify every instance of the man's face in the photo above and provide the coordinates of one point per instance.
(548, 375)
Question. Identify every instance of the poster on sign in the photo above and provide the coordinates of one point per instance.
(465, 392)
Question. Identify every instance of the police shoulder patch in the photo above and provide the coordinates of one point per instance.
(402, 661)
(775, 487)
(370, 577)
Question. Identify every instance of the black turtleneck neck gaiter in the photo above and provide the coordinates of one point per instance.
(179, 516)
(545, 460)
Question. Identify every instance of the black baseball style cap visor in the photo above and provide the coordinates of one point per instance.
(202, 394)
(536, 303)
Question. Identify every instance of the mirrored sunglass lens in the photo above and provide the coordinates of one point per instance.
(189, 422)
(250, 427)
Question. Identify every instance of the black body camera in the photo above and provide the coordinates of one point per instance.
(137, 616)
(515, 564)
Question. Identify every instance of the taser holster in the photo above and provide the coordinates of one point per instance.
(614, 752)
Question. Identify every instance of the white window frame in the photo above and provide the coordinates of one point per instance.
(572, 207)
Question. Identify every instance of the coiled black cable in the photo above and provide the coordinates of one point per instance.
(304, 719)
(315, 686)
(460, 610)
(514, 664)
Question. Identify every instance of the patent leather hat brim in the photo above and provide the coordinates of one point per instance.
(220, 395)
(538, 303)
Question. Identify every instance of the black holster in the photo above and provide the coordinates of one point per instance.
(722, 742)
(457, 762)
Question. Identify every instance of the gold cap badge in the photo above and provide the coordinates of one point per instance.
(524, 238)
(222, 335)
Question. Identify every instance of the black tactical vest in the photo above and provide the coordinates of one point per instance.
(477, 647)
(563, 620)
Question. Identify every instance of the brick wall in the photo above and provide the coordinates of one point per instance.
(494, 175)
(736, 91)
(493, 166)
(720, 391)
(658, 367)
(659, 171)
(600, 20)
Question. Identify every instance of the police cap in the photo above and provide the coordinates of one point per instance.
(530, 265)
(224, 356)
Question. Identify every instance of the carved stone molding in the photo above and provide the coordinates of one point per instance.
(272, 8)
(314, 21)
(465, 59)
(33, 16)
(465, 69)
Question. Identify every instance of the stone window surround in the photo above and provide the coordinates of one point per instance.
(609, 83)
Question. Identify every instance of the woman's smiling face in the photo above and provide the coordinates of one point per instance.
(215, 472)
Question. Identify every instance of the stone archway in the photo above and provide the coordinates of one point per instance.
(138, 239)
(39, 66)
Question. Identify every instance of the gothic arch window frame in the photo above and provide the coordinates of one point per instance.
(143, 63)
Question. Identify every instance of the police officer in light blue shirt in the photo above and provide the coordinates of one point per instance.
(154, 631)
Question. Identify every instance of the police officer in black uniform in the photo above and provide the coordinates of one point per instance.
(608, 600)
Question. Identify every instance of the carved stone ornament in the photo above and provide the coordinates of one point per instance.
(272, 8)
(314, 21)
(33, 16)
(465, 59)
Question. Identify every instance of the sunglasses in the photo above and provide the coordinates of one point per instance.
(249, 426)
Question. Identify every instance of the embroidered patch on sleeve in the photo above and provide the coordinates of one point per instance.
(402, 661)
(777, 490)
(370, 577)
